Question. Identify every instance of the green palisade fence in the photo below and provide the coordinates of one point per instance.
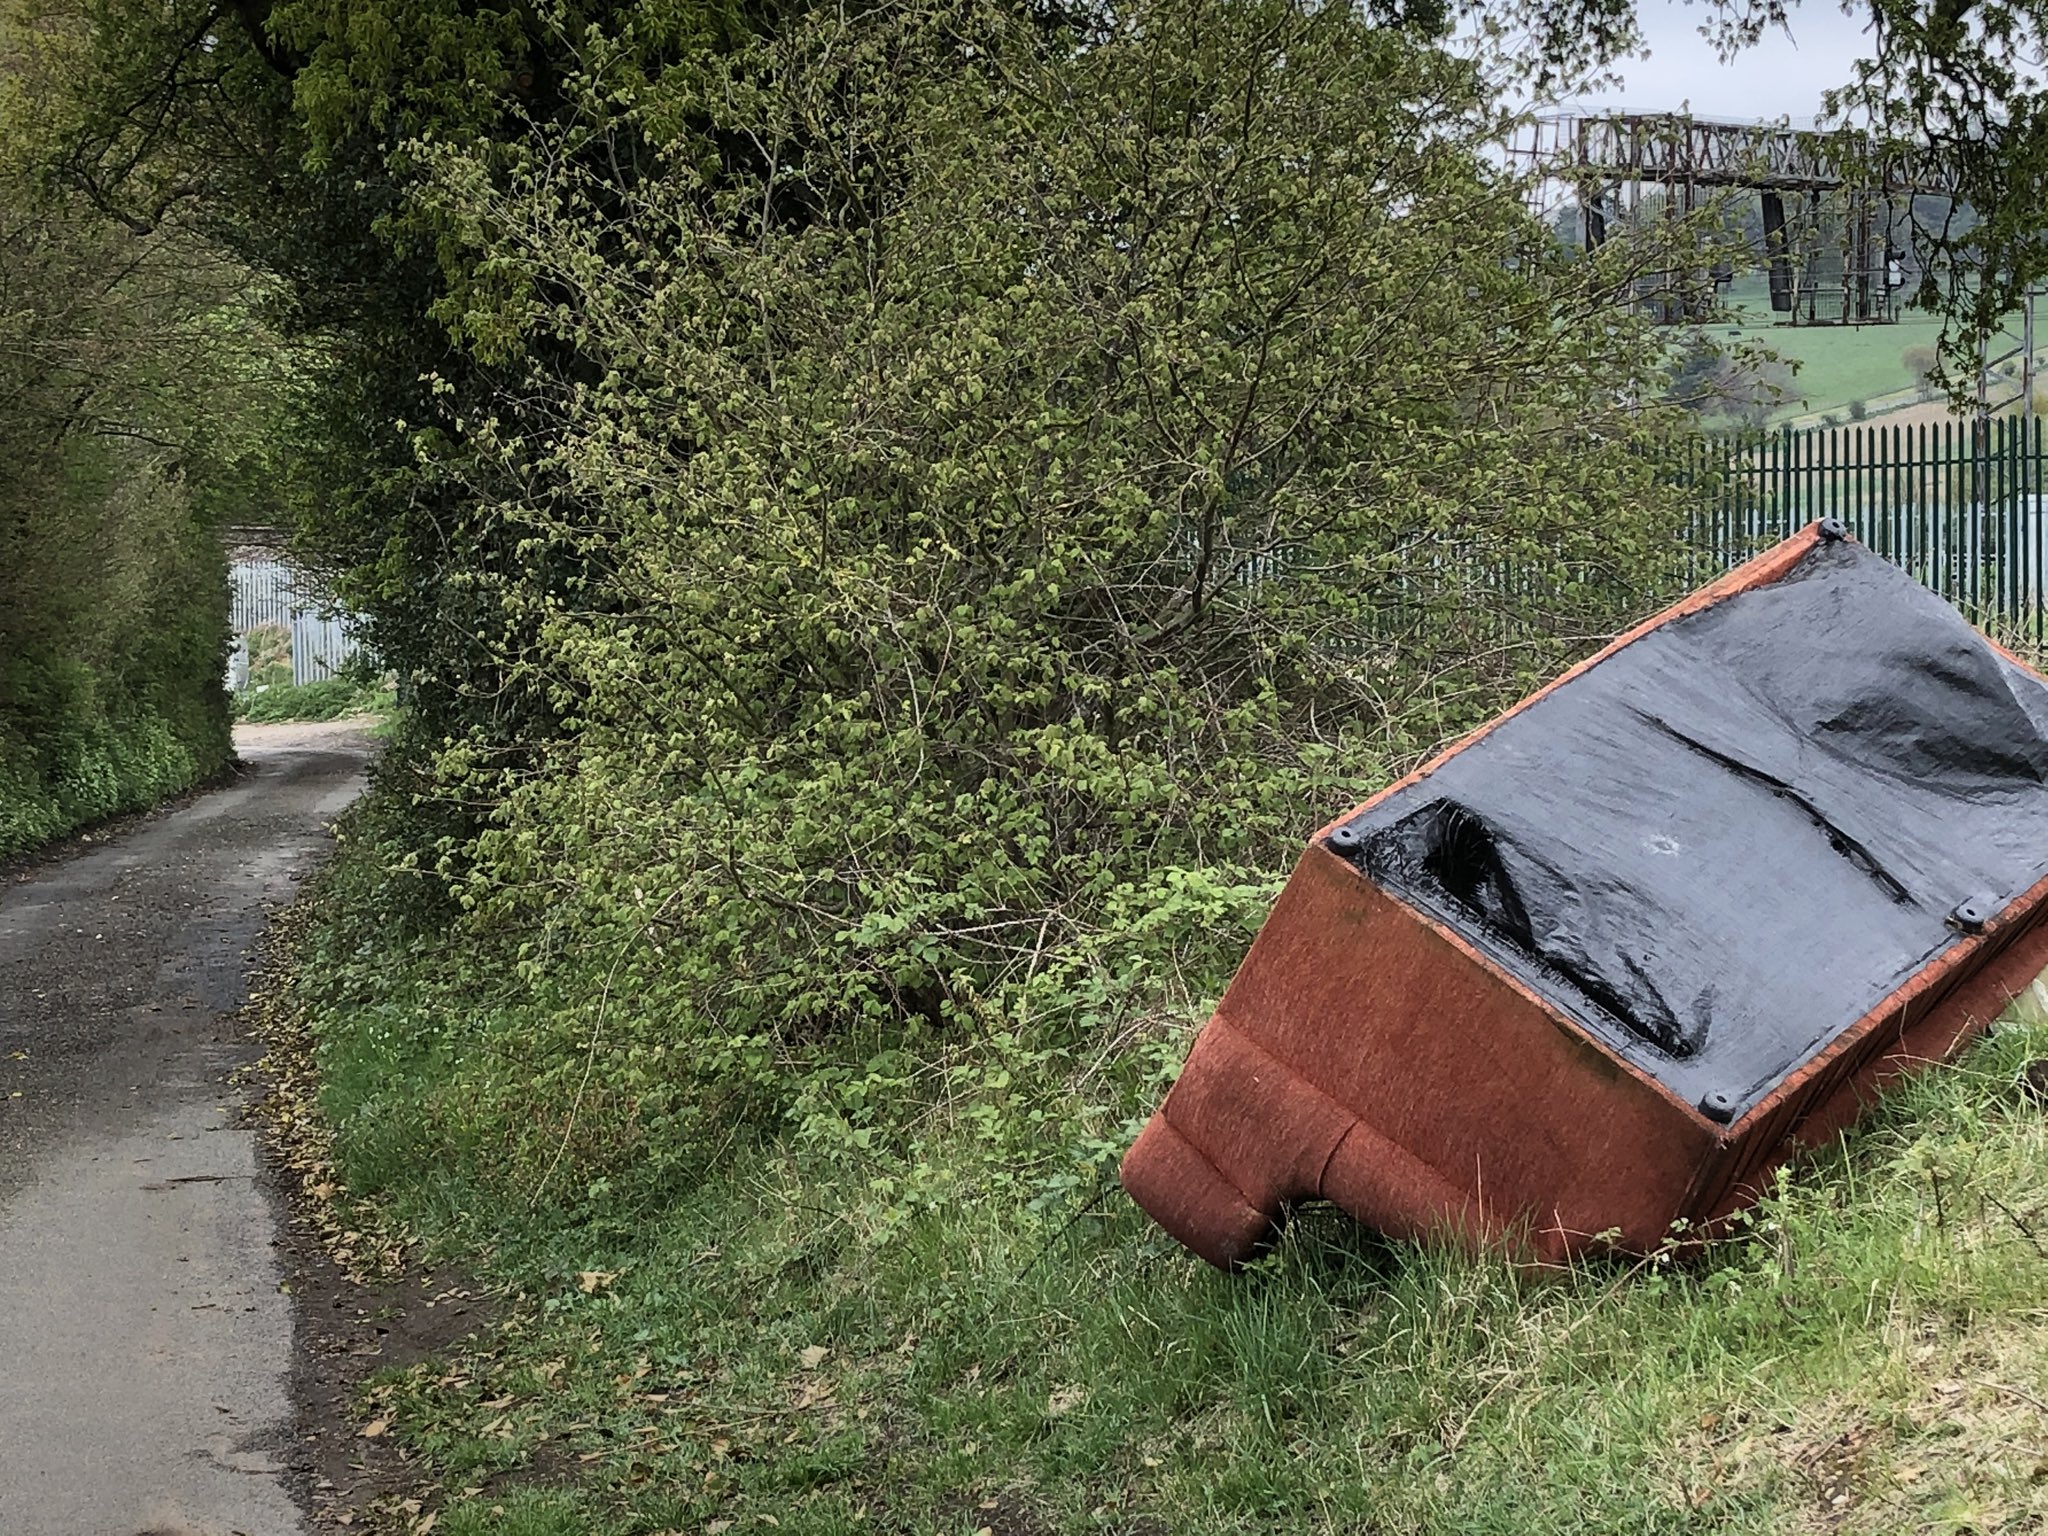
(1962, 505)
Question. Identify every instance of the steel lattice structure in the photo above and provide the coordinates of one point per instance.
(1835, 246)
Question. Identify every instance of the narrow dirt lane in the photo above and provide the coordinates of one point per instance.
(145, 1348)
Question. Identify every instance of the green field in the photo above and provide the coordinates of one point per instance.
(1835, 365)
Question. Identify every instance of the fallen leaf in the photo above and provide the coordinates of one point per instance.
(813, 1357)
(591, 1281)
(375, 1428)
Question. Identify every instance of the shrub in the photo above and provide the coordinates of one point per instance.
(1015, 506)
(270, 655)
(113, 581)
(327, 699)
(1923, 363)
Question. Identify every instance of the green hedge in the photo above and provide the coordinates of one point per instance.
(112, 660)
(91, 763)
(327, 699)
(128, 440)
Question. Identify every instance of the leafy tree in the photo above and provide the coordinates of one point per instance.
(131, 413)
(295, 132)
(1130, 448)
(1924, 364)
(1746, 384)
(288, 133)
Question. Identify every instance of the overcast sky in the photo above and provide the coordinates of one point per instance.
(1781, 77)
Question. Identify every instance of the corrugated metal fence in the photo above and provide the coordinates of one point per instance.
(279, 617)
(1962, 505)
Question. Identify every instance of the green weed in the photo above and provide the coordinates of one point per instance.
(942, 1330)
(327, 699)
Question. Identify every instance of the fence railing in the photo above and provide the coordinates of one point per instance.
(1961, 505)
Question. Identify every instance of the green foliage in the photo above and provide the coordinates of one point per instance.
(115, 410)
(1101, 480)
(327, 699)
(68, 758)
(270, 655)
(294, 131)
(816, 1325)
(1740, 384)
(970, 656)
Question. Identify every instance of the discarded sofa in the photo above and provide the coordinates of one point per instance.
(1597, 969)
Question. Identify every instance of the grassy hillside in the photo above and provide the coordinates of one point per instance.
(1836, 365)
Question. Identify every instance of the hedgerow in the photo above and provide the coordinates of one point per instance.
(126, 428)
(113, 605)
(327, 698)
(1014, 504)
(114, 700)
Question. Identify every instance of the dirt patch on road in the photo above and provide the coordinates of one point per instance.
(251, 735)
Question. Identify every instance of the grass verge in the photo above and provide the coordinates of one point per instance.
(783, 1337)
(328, 699)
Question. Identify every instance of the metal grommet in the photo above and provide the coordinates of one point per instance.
(1718, 1106)
(1345, 839)
(1833, 530)
(1970, 916)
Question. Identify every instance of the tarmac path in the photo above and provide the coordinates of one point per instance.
(145, 1345)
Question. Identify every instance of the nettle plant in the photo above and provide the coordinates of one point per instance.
(1028, 479)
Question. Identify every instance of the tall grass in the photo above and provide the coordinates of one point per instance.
(774, 1342)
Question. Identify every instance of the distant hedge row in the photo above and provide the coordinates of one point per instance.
(127, 441)
(111, 658)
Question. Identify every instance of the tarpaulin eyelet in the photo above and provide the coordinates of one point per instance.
(1718, 1106)
(1971, 915)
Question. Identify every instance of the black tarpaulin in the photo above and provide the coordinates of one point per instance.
(1725, 843)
